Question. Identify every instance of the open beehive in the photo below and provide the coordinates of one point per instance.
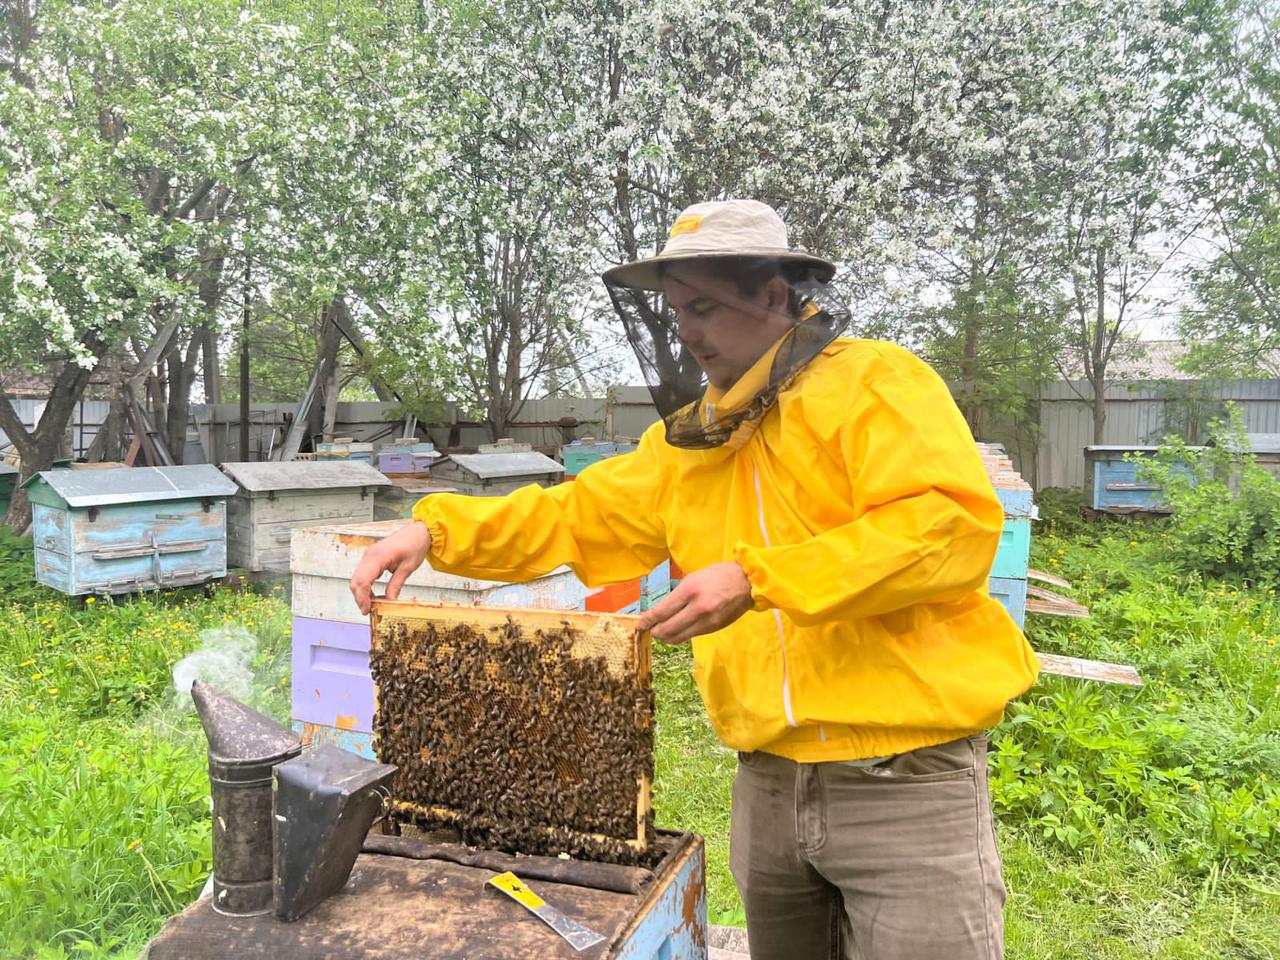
(529, 731)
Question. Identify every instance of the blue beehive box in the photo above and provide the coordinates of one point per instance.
(580, 454)
(1008, 577)
(1013, 556)
(119, 531)
(1111, 482)
(1012, 592)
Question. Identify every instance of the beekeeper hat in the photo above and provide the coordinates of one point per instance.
(718, 229)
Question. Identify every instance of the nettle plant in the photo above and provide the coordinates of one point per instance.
(1225, 509)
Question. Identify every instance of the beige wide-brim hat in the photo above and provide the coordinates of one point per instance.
(720, 228)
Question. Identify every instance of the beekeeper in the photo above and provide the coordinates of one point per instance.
(837, 527)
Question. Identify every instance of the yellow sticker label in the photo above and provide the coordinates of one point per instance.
(686, 224)
(515, 888)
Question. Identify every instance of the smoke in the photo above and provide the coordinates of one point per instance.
(224, 660)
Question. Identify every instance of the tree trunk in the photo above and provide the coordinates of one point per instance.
(1101, 351)
(39, 447)
(327, 385)
(182, 374)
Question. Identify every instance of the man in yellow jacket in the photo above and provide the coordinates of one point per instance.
(838, 528)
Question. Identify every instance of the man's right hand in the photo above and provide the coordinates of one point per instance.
(401, 553)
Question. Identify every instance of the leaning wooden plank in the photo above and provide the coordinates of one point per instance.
(1089, 669)
(1033, 574)
(1054, 604)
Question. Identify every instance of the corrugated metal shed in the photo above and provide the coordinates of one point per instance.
(304, 475)
(97, 488)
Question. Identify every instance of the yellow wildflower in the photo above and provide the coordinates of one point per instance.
(90, 600)
(37, 676)
(53, 691)
(27, 663)
(134, 844)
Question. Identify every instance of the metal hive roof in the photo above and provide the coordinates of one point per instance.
(92, 488)
(304, 475)
(495, 466)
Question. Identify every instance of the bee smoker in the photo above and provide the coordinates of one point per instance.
(244, 748)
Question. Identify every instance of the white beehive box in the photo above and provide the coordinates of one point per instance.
(275, 499)
(332, 686)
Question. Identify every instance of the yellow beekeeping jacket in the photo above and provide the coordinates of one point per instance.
(861, 512)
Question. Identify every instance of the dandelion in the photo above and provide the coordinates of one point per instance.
(37, 676)
(27, 663)
(134, 845)
(53, 691)
(91, 600)
(1195, 788)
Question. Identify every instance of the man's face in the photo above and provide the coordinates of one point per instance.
(725, 330)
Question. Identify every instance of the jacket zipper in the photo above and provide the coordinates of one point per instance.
(777, 614)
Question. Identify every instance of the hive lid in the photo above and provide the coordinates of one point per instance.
(304, 475)
(7, 469)
(493, 466)
(1263, 442)
(91, 488)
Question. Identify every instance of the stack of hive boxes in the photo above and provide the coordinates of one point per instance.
(1008, 582)
(332, 684)
(408, 457)
(344, 448)
(631, 596)
(580, 454)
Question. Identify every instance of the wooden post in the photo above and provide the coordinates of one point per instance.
(244, 368)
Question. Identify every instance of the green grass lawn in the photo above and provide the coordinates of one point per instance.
(1132, 823)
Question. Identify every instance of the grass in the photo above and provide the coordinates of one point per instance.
(104, 795)
(1131, 823)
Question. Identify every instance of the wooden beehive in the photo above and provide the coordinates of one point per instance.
(274, 500)
(526, 730)
(123, 530)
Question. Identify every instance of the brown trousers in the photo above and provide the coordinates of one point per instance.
(892, 861)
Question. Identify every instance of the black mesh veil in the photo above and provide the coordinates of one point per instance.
(673, 375)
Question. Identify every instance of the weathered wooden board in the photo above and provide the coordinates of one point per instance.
(260, 527)
(323, 558)
(1054, 604)
(1034, 574)
(1089, 669)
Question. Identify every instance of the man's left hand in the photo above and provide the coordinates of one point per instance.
(707, 600)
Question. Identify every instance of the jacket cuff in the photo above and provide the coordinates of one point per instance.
(423, 513)
(747, 557)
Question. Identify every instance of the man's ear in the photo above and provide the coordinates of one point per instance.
(778, 295)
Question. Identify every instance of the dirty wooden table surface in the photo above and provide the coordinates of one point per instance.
(395, 908)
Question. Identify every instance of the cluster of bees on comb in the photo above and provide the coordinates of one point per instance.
(514, 740)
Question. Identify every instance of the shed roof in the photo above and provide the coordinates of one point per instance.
(91, 488)
(304, 475)
(1264, 442)
(495, 466)
(8, 468)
